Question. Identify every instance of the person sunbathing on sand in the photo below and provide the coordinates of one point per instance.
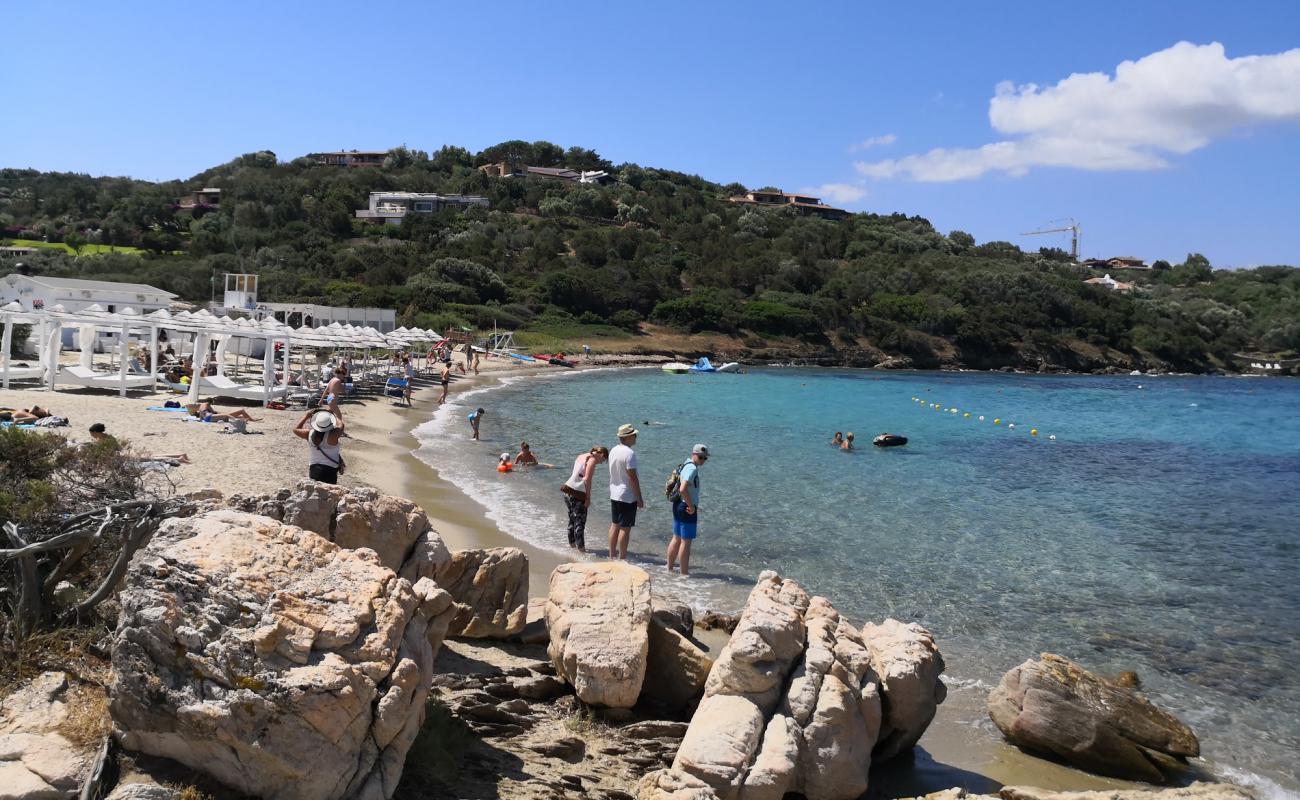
(25, 416)
(209, 413)
(100, 434)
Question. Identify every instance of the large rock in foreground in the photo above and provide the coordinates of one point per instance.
(275, 661)
(1054, 706)
(907, 660)
(792, 705)
(598, 617)
(490, 588)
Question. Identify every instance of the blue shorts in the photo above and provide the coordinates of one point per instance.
(684, 525)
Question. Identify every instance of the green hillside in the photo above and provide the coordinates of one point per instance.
(632, 264)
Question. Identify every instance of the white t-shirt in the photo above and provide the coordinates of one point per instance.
(621, 459)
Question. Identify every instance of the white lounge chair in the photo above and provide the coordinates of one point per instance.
(83, 376)
(221, 386)
(25, 373)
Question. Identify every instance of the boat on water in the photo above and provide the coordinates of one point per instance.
(676, 368)
(730, 366)
(889, 440)
(703, 365)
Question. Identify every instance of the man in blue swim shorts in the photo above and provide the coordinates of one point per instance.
(686, 510)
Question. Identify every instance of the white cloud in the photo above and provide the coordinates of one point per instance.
(873, 141)
(1168, 103)
(837, 192)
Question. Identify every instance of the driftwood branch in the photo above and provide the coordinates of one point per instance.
(136, 534)
(29, 613)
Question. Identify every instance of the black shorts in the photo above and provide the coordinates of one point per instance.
(623, 514)
(323, 473)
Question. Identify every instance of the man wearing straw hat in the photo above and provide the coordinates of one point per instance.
(624, 492)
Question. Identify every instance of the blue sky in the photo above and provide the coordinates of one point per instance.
(1195, 149)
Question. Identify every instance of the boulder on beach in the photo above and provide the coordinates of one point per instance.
(792, 705)
(671, 784)
(273, 660)
(490, 588)
(1053, 706)
(395, 528)
(598, 618)
(907, 661)
(676, 668)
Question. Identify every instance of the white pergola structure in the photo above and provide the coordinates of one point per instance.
(200, 328)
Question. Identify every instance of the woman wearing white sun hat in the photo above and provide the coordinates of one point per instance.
(322, 434)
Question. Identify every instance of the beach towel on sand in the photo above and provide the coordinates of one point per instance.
(163, 408)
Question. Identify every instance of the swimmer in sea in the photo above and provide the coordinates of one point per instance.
(838, 439)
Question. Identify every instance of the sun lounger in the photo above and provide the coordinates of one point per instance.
(221, 386)
(83, 376)
(26, 373)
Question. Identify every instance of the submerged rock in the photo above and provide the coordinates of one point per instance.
(598, 617)
(273, 660)
(1055, 707)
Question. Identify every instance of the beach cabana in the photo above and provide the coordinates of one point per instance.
(12, 314)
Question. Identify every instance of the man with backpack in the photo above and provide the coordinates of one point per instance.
(684, 491)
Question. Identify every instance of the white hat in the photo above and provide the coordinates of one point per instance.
(323, 422)
(505, 456)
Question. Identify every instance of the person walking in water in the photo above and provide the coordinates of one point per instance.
(624, 492)
(322, 435)
(686, 510)
(445, 377)
(475, 417)
(577, 494)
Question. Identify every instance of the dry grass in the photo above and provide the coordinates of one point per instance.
(192, 793)
(87, 722)
(67, 649)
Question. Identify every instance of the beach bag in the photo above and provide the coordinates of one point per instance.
(672, 489)
(172, 404)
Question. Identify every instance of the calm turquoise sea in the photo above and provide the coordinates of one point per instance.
(1157, 532)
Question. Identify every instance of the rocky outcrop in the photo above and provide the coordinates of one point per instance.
(905, 658)
(36, 760)
(676, 668)
(673, 614)
(1197, 791)
(598, 617)
(491, 591)
(279, 663)
(671, 784)
(792, 704)
(1055, 707)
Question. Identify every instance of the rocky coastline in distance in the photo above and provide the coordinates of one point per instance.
(324, 643)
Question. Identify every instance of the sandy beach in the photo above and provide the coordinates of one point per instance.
(958, 748)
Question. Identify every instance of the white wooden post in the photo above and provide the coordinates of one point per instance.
(6, 340)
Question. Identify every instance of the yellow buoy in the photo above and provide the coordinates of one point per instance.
(1033, 431)
(967, 414)
(997, 422)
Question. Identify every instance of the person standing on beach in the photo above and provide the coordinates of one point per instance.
(322, 435)
(475, 417)
(577, 494)
(333, 391)
(686, 510)
(446, 381)
(624, 492)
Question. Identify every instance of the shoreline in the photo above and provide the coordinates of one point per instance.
(958, 749)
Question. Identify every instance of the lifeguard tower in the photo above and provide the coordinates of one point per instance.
(241, 292)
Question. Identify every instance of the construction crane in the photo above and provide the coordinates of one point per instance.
(1073, 228)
